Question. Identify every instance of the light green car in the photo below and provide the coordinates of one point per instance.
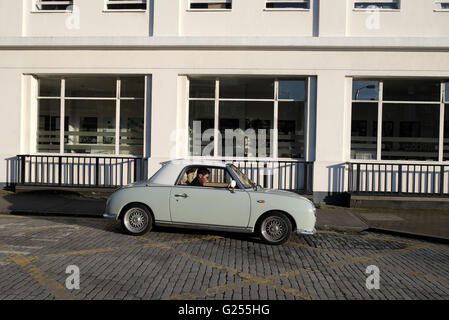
(226, 200)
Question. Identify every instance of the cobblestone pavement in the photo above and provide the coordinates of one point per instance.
(183, 264)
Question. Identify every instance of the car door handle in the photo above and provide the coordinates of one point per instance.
(181, 195)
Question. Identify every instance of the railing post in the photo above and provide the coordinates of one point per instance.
(399, 179)
(59, 170)
(22, 169)
(97, 171)
(358, 178)
(349, 177)
(441, 180)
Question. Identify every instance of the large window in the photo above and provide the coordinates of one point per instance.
(102, 115)
(406, 113)
(247, 117)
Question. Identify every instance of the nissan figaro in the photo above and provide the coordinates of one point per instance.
(226, 200)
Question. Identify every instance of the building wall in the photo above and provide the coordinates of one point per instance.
(169, 68)
(325, 18)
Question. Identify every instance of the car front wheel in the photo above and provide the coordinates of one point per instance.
(137, 220)
(275, 228)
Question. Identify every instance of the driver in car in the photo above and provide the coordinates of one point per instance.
(202, 176)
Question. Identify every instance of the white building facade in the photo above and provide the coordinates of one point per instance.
(343, 95)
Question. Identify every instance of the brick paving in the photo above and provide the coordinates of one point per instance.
(185, 264)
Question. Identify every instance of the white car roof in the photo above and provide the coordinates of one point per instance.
(171, 169)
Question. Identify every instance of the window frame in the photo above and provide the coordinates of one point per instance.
(107, 2)
(380, 102)
(354, 8)
(35, 9)
(226, 169)
(189, 7)
(62, 98)
(274, 138)
(287, 9)
(439, 6)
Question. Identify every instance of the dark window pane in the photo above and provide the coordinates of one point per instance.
(364, 131)
(132, 87)
(410, 132)
(412, 90)
(91, 126)
(446, 133)
(446, 89)
(281, 5)
(210, 5)
(201, 118)
(131, 127)
(377, 5)
(48, 125)
(365, 90)
(292, 89)
(247, 88)
(91, 87)
(202, 88)
(246, 115)
(291, 130)
(49, 87)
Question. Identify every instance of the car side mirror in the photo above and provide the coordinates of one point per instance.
(232, 185)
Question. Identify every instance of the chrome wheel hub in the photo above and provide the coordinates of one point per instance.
(274, 228)
(136, 220)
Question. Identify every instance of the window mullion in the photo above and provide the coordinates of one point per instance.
(379, 120)
(62, 118)
(274, 145)
(117, 118)
(216, 118)
(441, 136)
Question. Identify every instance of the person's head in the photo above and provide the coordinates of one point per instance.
(203, 175)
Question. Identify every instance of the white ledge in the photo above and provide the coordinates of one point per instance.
(223, 43)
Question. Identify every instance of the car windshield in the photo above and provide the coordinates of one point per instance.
(244, 180)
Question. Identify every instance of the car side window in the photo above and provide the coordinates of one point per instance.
(209, 177)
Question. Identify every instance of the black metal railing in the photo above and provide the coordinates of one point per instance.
(290, 175)
(79, 171)
(399, 179)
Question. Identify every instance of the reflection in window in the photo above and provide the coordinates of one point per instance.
(201, 118)
(410, 132)
(48, 135)
(446, 133)
(291, 129)
(245, 109)
(364, 131)
(446, 89)
(91, 104)
(412, 90)
(247, 88)
(91, 87)
(91, 127)
(255, 116)
(200, 88)
(365, 90)
(131, 126)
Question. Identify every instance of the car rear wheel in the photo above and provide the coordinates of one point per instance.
(137, 220)
(275, 228)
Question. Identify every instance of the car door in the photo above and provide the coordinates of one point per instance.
(209, 206)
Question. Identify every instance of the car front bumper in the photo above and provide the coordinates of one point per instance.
(304, 232)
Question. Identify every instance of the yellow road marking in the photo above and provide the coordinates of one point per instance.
(47, 282)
